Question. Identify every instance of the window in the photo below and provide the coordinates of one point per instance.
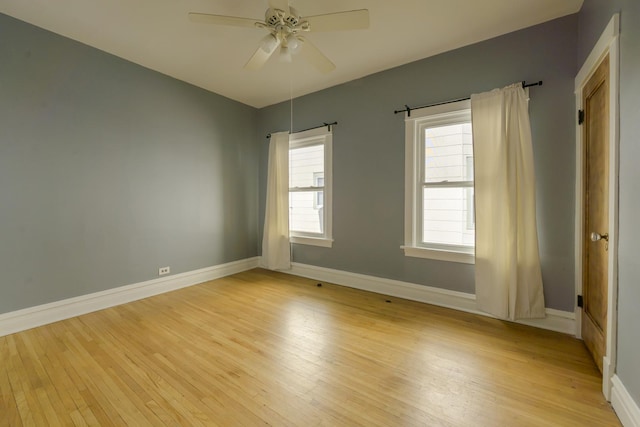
(310, 187)
(439, 198)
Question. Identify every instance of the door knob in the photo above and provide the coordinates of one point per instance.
(595, 237)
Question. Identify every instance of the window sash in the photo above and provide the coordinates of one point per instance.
(421, 241)
(300, 189)
(420, 220)
(321, 219)
(448, 184)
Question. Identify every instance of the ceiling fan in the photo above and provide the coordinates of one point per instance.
(286, 27)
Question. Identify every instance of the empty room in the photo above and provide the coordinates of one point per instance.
(338, 213)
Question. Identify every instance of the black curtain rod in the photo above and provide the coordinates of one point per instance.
(328, 125)
(408, 109)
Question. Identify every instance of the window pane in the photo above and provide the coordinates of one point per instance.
(446, 150)
(305, 214)
(448, 216)
(306, 165)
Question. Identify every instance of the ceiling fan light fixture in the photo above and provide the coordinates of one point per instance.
(285, 54)
(268, 43)
(293, 44)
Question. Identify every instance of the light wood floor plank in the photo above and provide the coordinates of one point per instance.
(263, 348)
(9, 411)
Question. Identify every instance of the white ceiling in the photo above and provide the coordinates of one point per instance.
(158, 35)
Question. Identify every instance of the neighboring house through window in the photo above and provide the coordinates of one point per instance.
(439, 208)
(310, 187)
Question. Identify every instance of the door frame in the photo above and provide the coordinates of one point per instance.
(608, 43)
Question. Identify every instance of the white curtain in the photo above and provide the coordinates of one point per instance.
(276, 250)
(508, 276)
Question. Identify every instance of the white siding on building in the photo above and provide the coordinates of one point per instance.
(448, 212)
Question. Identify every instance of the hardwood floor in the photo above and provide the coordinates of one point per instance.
(263, 348)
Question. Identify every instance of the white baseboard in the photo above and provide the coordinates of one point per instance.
(32, 317)
(624, 405)
(556, 320)
(607, 376)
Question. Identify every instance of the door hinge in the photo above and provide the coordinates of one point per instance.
(580, 301)
(580, 117)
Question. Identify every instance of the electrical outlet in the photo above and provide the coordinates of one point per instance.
(164, 270)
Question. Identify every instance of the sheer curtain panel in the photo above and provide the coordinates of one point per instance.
(507, 266)
(276, 250)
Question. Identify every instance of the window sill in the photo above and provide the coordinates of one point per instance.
(311, 241)
(439, 254)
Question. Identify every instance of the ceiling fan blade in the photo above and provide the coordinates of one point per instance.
(233, 21)
(318, 59)
(260, 57)
(279, 4)
(350, 20)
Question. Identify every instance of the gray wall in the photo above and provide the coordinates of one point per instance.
(368, 152)
(109, 171)
(593, 18)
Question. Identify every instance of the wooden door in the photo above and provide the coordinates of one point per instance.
(595, 101)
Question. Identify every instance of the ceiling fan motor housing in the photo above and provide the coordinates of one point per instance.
(274, 17)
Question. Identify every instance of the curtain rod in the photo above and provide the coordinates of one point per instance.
(328, 125)
(408, 109)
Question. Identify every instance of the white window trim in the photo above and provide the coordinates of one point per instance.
(313, 241)
(436, 115)
(300, 139)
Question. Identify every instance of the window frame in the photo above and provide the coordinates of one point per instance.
(415, 125)
(308, 138)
